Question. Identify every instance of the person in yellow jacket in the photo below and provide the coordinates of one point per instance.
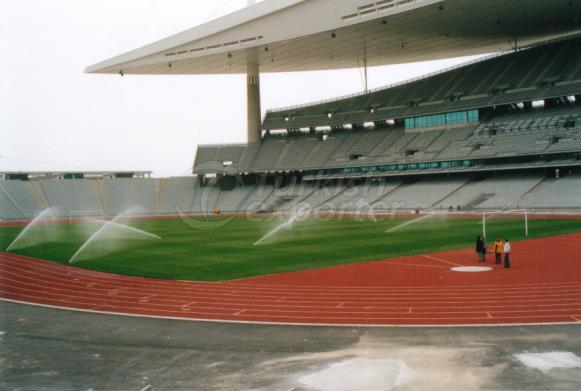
(498, 249)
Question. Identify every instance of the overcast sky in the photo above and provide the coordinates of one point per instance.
(54, 117)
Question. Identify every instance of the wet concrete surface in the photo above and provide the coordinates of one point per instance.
(50, 349)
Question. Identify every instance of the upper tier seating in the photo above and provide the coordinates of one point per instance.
(519, 133)
(548, 70)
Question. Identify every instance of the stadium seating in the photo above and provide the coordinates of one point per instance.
(177, 195)
(224, 158)
(267, 156)
(545, 71)
(360, 197)
(420, 195)
(256, 199)
(77, 198)
(320, 153)
(296, 150)
(204, 200)
(497, 192)
(129, 196)
(230, 201)
(521, 132)
(548, 70)
(323, 195)
(376, 140)
(18, 200)
(290, 196)
(563, 193)
(9, 208)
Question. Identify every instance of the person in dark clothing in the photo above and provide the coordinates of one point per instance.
(481, 249)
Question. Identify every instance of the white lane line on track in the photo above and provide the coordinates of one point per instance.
(188, 306)
(511, 311)
(539, 299)
(325, 307)
(75, 303)
(195, 284)
(328, 301)
(115, 292)
(33, 295)
(441, 260)
(333, 316)
(146, 290)
(539, 296)
(520, 323)
(147, 299)
(42, 278)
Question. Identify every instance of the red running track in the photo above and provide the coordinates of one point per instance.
(544, 286)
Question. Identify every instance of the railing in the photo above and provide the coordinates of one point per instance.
(222, 145)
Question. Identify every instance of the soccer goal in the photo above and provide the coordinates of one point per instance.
(517, 212)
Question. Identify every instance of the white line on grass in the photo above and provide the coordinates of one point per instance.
(441, 260)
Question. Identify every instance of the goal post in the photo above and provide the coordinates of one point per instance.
(487, 215)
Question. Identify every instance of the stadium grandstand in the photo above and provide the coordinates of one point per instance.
(500, 132)
(354, 212)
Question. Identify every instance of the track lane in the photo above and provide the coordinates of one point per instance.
(533, 292)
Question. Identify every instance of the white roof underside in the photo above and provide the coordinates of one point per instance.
(302, 35)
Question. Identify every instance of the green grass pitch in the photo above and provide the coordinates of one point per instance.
(220, 248)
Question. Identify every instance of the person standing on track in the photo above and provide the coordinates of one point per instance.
(498, 249)
(507, 254)
(480, 248)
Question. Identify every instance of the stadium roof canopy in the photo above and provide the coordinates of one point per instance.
(301, 35)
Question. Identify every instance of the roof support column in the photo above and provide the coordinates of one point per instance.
(253, 99)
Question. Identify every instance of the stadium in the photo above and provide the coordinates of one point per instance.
(335, 249)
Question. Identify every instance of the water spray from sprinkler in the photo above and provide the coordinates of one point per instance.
(45, 215)
(107, 225)
(407, 223)
(287, 225)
